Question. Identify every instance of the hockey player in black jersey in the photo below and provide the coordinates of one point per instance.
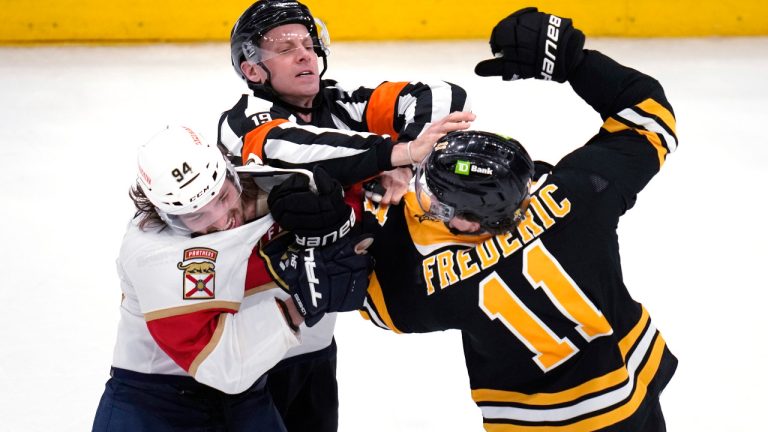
(528, 268)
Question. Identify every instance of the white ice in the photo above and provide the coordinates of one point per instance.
(693, 249)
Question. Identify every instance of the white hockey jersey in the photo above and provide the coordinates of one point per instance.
(187, 310)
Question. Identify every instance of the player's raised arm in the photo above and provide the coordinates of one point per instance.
(639, 124)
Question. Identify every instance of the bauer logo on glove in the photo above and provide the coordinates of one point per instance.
(315, 218)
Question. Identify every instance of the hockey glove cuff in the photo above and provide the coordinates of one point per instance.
(316, 219)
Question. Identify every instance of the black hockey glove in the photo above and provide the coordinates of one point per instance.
(316, 219)
(332, 278)
(533, 44)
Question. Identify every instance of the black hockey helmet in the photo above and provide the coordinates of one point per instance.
(263, 16)
(480, 176)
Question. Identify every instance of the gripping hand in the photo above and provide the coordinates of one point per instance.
(333, 278)
(315, 218)
(533, 44)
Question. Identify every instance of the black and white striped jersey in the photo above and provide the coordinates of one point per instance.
(351, 133)
(552, 338)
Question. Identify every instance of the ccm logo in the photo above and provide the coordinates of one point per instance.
(329, 238)
(550, 47)
(199, 194)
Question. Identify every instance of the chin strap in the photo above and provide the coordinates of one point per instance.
(266, 90)
(325, 66)
(454, 231)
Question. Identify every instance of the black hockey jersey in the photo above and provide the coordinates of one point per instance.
(351, 133)
(552, 338)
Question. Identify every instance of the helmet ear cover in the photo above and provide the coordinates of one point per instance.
(484, 177)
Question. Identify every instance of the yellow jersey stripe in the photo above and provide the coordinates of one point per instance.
(594, 385)
(608, 418)
(628, 341)
(377, 297)
(654, 139)
(612, 125)
(652, 107)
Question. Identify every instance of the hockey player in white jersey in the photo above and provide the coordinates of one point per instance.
(200, 321)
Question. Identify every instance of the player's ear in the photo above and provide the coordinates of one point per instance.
(253, 72)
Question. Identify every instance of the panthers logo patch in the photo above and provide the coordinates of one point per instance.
(199, 278)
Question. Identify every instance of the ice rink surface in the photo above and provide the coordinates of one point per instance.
(693, 249)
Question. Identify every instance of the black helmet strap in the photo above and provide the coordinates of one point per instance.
(266, 91)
